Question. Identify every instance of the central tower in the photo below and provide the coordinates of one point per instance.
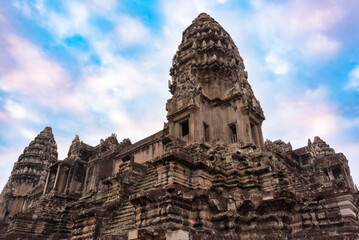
(212, 100)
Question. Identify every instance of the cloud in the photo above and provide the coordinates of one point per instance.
(73, 20)
(19, 112)
(277, 65)
(307, 17)
(302, 115)
(354, 79)
(31, 70)
(132, 31)
(299, 17)
(102, 89)
(118, 86)
(320, 45)
(301, 25)
(27, 133)
(79, 19)
(105, 4)
(23, 6)
(31, 73)
(179, 16)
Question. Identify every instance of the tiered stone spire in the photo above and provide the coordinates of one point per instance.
(208, 62)
(40, 153)
(321, 148)
(207, 68)
(29, 173)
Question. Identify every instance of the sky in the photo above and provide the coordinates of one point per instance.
(98, 67)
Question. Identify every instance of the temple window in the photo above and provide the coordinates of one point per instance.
(206, 132)
(336, 172)
(184, 130)
(233, 132)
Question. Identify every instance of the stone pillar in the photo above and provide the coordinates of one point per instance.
(347, 178)
(260, 135)
(256, 136)
(240, 128)
(72, 184)
(85, 181)
(62, 179)
(246, 125)
(57, 177)
(192, 126)
(68, 180)
(47, 182)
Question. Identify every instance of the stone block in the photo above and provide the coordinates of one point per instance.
(177, 235)
(133, 234)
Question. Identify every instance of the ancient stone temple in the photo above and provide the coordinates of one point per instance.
(206, 175)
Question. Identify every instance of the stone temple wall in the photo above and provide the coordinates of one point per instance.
(206, 175)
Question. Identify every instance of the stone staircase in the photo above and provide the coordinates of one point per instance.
(84, 228)
(148, 180)
(123, 220)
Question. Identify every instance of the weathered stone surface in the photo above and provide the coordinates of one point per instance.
(206, 175)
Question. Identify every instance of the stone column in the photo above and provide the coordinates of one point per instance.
(260, 134)
(72, 184)
(256, 136)
(57, 177)
(85, 180)
(247, 129)
(192, 128)
(240, 128)
(68, 180)
(47, 182)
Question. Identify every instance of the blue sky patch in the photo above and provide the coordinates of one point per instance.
(78, 42)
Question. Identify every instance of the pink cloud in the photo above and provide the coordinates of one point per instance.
(31, 73)
(300, 24)
(301, 116)
(320, 45)
(302, 17)
(131, 31)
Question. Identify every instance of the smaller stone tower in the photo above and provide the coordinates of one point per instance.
(28, 176)
(212, 100)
